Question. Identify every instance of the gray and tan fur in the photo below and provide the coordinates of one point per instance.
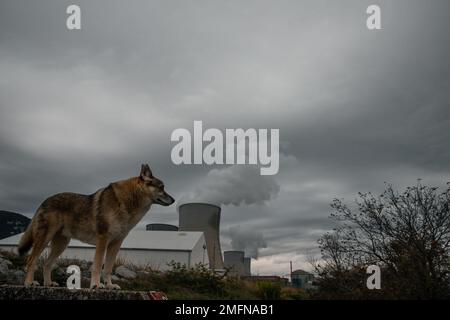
(103, 219)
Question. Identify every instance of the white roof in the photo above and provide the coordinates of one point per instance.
(141, 240)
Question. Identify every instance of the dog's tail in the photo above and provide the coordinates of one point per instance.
(26, 242)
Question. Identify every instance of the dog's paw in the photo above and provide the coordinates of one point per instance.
(97, 286)
(51, 284)
(32, 284)
(113, 286)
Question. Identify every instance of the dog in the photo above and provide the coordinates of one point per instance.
(103, 219)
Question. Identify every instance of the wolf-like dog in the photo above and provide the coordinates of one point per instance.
(103, 219)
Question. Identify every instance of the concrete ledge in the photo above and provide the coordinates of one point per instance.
(8, 292)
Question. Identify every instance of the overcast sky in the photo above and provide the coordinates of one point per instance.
(355, 108)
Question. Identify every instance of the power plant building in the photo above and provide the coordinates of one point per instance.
(302, 279)
(204, 217)
(247, 266)
(160, 227)
(234, 261)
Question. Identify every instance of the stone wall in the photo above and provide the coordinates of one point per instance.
(8, 292)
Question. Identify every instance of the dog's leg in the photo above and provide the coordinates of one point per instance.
(102, 242)
(111, 254)
(42, 238)
(57, 246)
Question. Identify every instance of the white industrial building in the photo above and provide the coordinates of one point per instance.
(143, 248)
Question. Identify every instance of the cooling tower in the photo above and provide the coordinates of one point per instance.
(235, 261)
(204, 217)
(247, 266)
(160, 227)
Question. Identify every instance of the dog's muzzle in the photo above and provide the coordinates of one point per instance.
(165, 201)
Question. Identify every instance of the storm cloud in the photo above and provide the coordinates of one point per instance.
(355, 108)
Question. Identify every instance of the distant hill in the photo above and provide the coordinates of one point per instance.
(12, 223)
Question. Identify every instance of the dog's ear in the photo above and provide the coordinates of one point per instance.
(146, 173)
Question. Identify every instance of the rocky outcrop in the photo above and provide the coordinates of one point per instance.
(124, 272)
(4, 265)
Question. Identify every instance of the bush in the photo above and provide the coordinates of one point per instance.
(268, 290)
(290, 293)
(199, 278)
(405, 233)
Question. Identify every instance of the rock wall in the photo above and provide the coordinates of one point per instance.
(8, 292)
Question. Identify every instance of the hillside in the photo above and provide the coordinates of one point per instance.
(12, 223)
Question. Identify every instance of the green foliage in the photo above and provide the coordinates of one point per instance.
(268, 290)
(200, 278)
(199, 282)
(290, 293)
